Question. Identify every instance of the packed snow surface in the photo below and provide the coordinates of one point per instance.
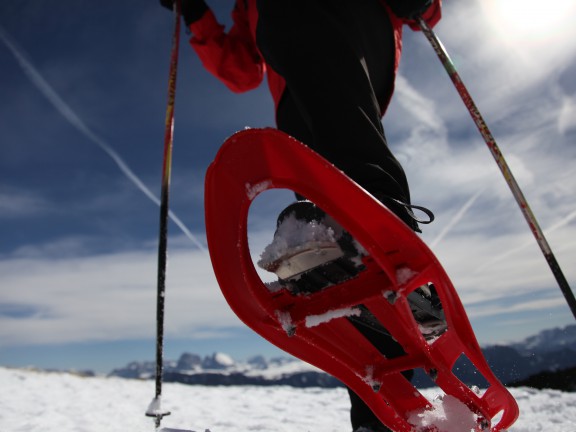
(315, 320)
(59, 402)
(294, 235)
(404, 274)
(449, 414)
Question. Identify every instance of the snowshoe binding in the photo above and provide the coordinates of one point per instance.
(311, 252)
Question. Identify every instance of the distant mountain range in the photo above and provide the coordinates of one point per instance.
(221, 369)
(552, 352)
(549, 356)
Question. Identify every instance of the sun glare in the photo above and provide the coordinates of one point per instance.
(531, 20)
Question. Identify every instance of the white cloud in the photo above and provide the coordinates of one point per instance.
(567, 115)
(107, 297)
(112, 296)
(16, 203)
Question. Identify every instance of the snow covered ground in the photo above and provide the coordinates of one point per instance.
(56, 402)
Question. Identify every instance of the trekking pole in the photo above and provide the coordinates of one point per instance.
(155, 409)
(495, 150)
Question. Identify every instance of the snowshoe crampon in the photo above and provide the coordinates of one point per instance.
(319, 327)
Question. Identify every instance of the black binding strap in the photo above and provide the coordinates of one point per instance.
(410, 207)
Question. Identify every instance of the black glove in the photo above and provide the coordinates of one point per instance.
(192, 10)
(408, 8)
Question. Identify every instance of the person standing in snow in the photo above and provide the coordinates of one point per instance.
(330, 66)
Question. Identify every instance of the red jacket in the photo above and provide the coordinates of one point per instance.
(234, 58)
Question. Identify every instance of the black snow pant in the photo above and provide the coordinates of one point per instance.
(337, 57)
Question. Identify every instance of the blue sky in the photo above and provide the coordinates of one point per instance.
(83, 81)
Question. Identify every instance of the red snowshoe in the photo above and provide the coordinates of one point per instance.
(397, 281)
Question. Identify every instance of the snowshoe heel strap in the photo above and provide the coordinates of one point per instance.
(410, 207)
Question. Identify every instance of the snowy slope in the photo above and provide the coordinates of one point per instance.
(58, 402)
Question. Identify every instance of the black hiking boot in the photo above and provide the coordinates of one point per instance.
(310, 250)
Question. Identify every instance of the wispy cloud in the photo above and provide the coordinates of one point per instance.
(19, 203)
(68, 113)
(53, 297)
(48, 300)
(567, 116)
(490, 253)
(501, 256)
(105, 297)
(457, 217)
(538, 305)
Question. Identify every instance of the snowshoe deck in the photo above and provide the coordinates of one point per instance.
(319, 327)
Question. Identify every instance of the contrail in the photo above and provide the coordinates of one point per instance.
(455, 219)
(63, 108)
(553, 228)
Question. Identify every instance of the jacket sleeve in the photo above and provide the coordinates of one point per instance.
(431, 16)
(232, 57)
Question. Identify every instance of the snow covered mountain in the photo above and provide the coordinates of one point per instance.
(547, 341)
(549, 351)
(221, 369)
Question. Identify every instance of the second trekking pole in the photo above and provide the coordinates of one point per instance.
(495, 150)
(155, 409)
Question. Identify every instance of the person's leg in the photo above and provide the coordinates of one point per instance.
(337, 58)
(361, 416)
(360, 413)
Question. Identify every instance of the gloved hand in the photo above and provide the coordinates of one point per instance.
(192, 10)
(408, 8)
